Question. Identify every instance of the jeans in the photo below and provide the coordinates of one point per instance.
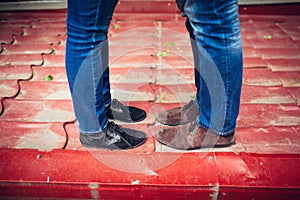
(87, 61)
(215, 36)
(216, 43)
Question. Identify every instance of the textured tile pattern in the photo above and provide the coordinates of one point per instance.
(152, 68)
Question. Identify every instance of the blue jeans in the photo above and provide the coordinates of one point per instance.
(87, 61)
(214, 29)
(216, 43)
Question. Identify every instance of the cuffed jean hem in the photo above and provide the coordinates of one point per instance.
(93, 132)
(227, 133)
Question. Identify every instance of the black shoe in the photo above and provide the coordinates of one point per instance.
(124, 113)
(114, 137)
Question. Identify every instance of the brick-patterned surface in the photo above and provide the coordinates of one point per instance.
(152, 68)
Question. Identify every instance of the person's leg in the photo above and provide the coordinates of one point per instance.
(87, 59)
(216, 29)
(87, 72)
(215, 35)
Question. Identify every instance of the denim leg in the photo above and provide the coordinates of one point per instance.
(87, 60)
(215, 36)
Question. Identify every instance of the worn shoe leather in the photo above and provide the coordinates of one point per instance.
(179, 115)
(114, 137)
(124, 113)
(192, 136)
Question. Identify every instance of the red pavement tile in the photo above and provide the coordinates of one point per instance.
(132, 75)
(58, 74)
(254, 62)
(123, 27)
(54, 60)
(146, 16)
(8, 88)
(258, 170)
(15, 72)
(48, 31)
(284, 64)
(269, 139)
(174, 92)
(266, 95)
(27, 49)
(11, 30)
(54, 23)
(265, 115)
(132, 91)
(265, 77)
(20, 59)
(279, 53)
(37, 39)
(47, 90)
(6, 39)
(59, 49)
(37, 111)
(169, 75)
(133, 61)
(28, 135)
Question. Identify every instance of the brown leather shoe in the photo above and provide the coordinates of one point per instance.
(179, 115)
(192, 136)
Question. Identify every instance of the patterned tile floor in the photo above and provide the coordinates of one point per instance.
(151, 68)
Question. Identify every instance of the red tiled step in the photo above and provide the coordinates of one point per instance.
(254, 62)
(34, 16)
(122, 27)
(175, 26)
(169, 75)
(37, 111)
(177, 62)
(147, 17)
(54, 60)
(132, 75)
(270, 140)
(46, 31)
(133, 50)
(8, 29)
(265, 77)
(133, 61)
(20, 59)
(266, 95)
(232, 176)
(295, 91)
(6, 39)
(15, 72)
(47, 90)
(27, 135)
(37, 39)
(27, 49)
(174, 92)
(59, 49)
(58, 74)
(265, 115)
(284, 64)
(272, 43)
(279, 53)
(132, 91)
(8, 88)
(50, 23)
(74, 143)
(257, 170)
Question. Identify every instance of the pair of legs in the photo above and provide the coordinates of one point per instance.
(216, 43)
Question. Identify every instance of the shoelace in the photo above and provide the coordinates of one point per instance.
(192, 127)
(115, 131)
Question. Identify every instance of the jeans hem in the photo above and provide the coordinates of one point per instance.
(224, 134)
(93, 132)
